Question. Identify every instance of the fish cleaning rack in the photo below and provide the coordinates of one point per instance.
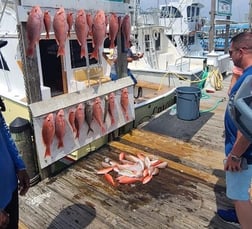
(39, 107)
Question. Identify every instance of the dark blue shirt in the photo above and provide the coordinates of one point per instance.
(230, 128)
(10, 164)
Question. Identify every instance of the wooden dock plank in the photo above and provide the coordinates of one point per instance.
(186, 194)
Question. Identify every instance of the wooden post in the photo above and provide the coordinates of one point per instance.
(212, 26)
(121, 58)
(30, 68)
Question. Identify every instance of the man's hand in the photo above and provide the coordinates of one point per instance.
(4, 219)
(24, 182)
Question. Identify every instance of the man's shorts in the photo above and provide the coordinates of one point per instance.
(238, 183)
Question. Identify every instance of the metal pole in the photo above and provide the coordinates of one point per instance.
(212, 26)
(227, 35)
(250, 14)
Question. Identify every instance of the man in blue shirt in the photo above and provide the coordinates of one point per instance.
(237, 146)
(12, 170)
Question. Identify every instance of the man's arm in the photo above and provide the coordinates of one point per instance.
(241, 144)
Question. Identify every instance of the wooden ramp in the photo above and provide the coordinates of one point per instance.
(186, 194)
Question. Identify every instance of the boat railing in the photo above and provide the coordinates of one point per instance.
(183, 61)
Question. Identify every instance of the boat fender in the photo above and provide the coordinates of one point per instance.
(155, 35)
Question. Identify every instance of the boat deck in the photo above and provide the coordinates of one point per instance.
(186, 194)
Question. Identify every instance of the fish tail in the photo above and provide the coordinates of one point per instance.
(61, 51)
(103, 129)
(90, 129)
(30, 51)
(83, 52)
(60, 144)
(47, 36)
(47, 152)
(112, 45)
(112, 120)
(94, 55)
(90, 33)
(77, 134)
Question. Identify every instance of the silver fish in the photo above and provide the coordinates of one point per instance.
(89, 116)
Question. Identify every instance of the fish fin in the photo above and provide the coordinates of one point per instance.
(60, 144)
(47, 152)
(77, 134)
(90, 129)
(30, 51)
(94, 55)
(61, 52)
(83, 52)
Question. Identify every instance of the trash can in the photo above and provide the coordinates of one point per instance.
(187, 104)
(21, 133)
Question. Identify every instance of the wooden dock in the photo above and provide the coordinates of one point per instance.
(186, 194)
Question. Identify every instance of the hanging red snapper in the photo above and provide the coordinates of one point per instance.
(125, 102)
(126, 31)
(99, 32)
(60, 28)
(90, 23)
(98, 113)
(70, 22)
(113, 29)
(34, 27)
(111, 107)
(60, 127)
(48, 131)
(71, 119)
(81, 29)
(47, 23)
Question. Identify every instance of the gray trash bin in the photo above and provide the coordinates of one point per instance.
(188, 101)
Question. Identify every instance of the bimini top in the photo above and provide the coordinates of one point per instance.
(241, 108)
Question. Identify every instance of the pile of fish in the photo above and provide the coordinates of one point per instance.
(96, 26)
(131, 169)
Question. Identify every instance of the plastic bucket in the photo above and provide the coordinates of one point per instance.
(188, 100)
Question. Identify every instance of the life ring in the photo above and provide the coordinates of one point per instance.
(155, 35)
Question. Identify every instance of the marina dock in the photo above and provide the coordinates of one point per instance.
(186, 194)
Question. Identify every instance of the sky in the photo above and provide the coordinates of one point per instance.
(239, 8)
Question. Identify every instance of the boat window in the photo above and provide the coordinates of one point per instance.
(53, 77)
(76, 61)
(147, 42)
(190, 13)
(170, 12)
(193, 13)
(51, 66)
(157, 43)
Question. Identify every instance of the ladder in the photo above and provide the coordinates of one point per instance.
(152, 55)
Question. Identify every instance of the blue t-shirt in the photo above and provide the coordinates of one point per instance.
(10, 164)
(230, 128)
